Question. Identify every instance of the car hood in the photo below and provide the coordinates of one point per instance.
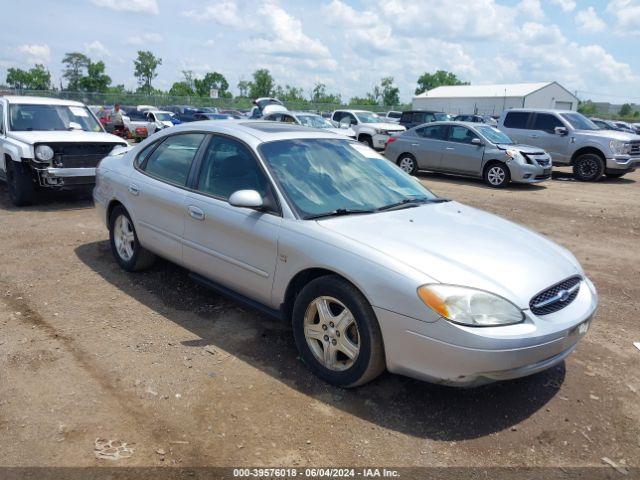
(460, 245)
(520, 148)
(341, 131)
(32, 137)
(609, 135)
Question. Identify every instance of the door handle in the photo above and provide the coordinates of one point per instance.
(535, 136)
(414, 144)
(196, 213)
(133, 188)
(450, 148)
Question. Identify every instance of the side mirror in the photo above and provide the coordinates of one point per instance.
(246, 199)
(561, 131)
(345, 123)
(477, 141)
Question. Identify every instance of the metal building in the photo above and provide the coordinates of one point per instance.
(493, 99)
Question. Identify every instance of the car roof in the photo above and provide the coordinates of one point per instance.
(254, 131)
(17, 99)
(421, 111)
(539, 110)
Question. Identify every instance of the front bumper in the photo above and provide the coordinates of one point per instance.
(529, 173)
(445, 353)
(621, 164)
(66, 177)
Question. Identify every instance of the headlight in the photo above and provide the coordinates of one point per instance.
(468, 306)
(44, 153)
(620, 148)
(516, 155)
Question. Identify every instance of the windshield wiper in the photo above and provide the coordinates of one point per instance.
(411, 202)
(339, 212)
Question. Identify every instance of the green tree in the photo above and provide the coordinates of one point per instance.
(319, 95)
(36, 78)
(368, 100)
(95, 80)
(262, 84)
(625, 110)
(181, 89)
(145, 70)
(587, 108)
(75, 65)
(211, 80)
(243, 88)
(390, 93)
(289, 94)
(116, 89)
(429, 81)
(18, 78)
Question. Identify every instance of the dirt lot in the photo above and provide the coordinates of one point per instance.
(188, 378)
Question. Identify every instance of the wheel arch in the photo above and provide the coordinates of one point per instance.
(588, 150)
(492, 161)
(112, 205)
(300, 280)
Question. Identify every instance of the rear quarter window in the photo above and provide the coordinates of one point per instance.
(516, 120)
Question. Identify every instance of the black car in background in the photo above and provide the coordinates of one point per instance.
(413, 118)
(185, 113)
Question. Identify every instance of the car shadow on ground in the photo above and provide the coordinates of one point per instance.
(401, 404)
(567, 176)
(50, 200)
(477, 182)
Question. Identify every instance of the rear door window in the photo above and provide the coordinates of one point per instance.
(546, 122)
(517, 120)
(171, 161)
(434, 132)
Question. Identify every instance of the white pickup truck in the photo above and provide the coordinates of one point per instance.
(369, 127)
(49, 143)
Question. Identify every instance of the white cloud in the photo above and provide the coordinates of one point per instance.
(627, 14)
(97, 49)
(565, 5)
(532, 9)
(224, 13)
(144, 39)
(142, 6)
(589, 21)
(340, 14)
(35, 53)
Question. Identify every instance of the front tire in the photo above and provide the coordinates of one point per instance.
(497, 175)
(367, 140)
(20, 183)
(407, 162)
(126, 248)
(337, 333)
(588, 167)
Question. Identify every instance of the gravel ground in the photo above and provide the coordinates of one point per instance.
(185, 377)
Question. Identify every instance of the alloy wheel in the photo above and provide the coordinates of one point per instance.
(331, 333)
(496, 175)
(588, 167)
(407, 164)
(124, 237)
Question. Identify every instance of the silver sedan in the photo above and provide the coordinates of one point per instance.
(370, 268)
(468, 149)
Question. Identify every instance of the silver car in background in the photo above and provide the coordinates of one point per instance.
(370, 268)
(469, 149)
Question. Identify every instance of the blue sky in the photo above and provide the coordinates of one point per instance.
(588, 46)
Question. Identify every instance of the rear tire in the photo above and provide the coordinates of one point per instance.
(337, 333)
(588, 167)
(126, 248)
(407, 163)
(497, 175)
(20, 183)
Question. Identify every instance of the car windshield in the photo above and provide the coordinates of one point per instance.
(27, 117)
(369, 117)
(579, 121)
(163, 117)
(321, 176)
(494, 135)
(315, 121)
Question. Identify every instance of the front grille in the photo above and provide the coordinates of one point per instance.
(543, 162)
(79, 155)
(635, 148)
(556, 297)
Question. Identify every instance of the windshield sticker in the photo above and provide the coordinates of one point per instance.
(78, 111)
(366, 151)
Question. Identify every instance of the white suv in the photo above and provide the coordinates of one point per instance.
(49, 143)
(369, 127)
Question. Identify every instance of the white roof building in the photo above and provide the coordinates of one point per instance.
(493, 99)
